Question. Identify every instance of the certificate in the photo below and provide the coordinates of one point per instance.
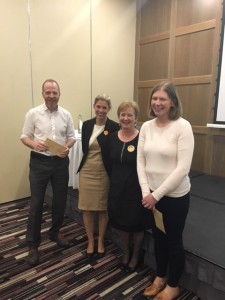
(159, 220)
(54, 148)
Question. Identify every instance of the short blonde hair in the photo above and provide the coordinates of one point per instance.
(103, 97)
(127, 104)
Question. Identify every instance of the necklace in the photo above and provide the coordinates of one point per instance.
(127, 136)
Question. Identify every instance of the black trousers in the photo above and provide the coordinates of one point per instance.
(169, 250)
(42, 170)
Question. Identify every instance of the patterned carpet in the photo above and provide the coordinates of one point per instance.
(62, 274)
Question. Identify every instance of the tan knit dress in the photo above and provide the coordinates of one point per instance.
(93, 181)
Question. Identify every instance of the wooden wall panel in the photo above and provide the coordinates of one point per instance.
(198, 159)
(157, 67)
(159, 20)
(195, 113)
(218, 156)
(196, 11)
(179, 40)
(143, 101)
(191, 57)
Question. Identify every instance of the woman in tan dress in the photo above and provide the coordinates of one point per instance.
(94, 170)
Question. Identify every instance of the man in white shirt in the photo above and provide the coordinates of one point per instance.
(53, 122)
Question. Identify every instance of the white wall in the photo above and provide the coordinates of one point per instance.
(60, 49)
(220, 103)
(113, 51)
(86, 45)
(15, 98)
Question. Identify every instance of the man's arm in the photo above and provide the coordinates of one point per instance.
(36, 146)
(70, 143)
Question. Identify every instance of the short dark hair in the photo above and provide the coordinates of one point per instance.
(175, 110)
(50, 80)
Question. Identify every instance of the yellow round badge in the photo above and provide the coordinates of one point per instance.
(130, 148)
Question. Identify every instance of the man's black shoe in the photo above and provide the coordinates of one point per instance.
(33, 257)
(60, 241)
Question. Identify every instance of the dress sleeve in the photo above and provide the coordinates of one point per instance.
(141, 162)
(109, 146)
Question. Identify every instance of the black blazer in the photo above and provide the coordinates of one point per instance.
(103, 140)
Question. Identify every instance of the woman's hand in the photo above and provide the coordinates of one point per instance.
(149, 202)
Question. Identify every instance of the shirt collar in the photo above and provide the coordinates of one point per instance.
(46, 108)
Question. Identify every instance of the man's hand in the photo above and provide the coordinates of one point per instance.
(65, 152)
(39, 147)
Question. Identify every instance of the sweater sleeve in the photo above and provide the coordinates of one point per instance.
(142, 176)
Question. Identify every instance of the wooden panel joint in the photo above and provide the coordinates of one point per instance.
(210, 24)
(154, 38)
(203, 79)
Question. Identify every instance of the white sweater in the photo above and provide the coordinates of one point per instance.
(164, 158)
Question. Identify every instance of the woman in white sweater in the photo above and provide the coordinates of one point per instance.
(165, 151)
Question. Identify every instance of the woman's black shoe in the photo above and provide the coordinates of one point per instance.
(89, 255)
(100, 254)
(130, 270)
(123, 266)
(124, 261)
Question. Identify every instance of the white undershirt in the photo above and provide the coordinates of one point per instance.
(97, 130)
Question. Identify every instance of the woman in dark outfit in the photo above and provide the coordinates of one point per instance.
(125, 210)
